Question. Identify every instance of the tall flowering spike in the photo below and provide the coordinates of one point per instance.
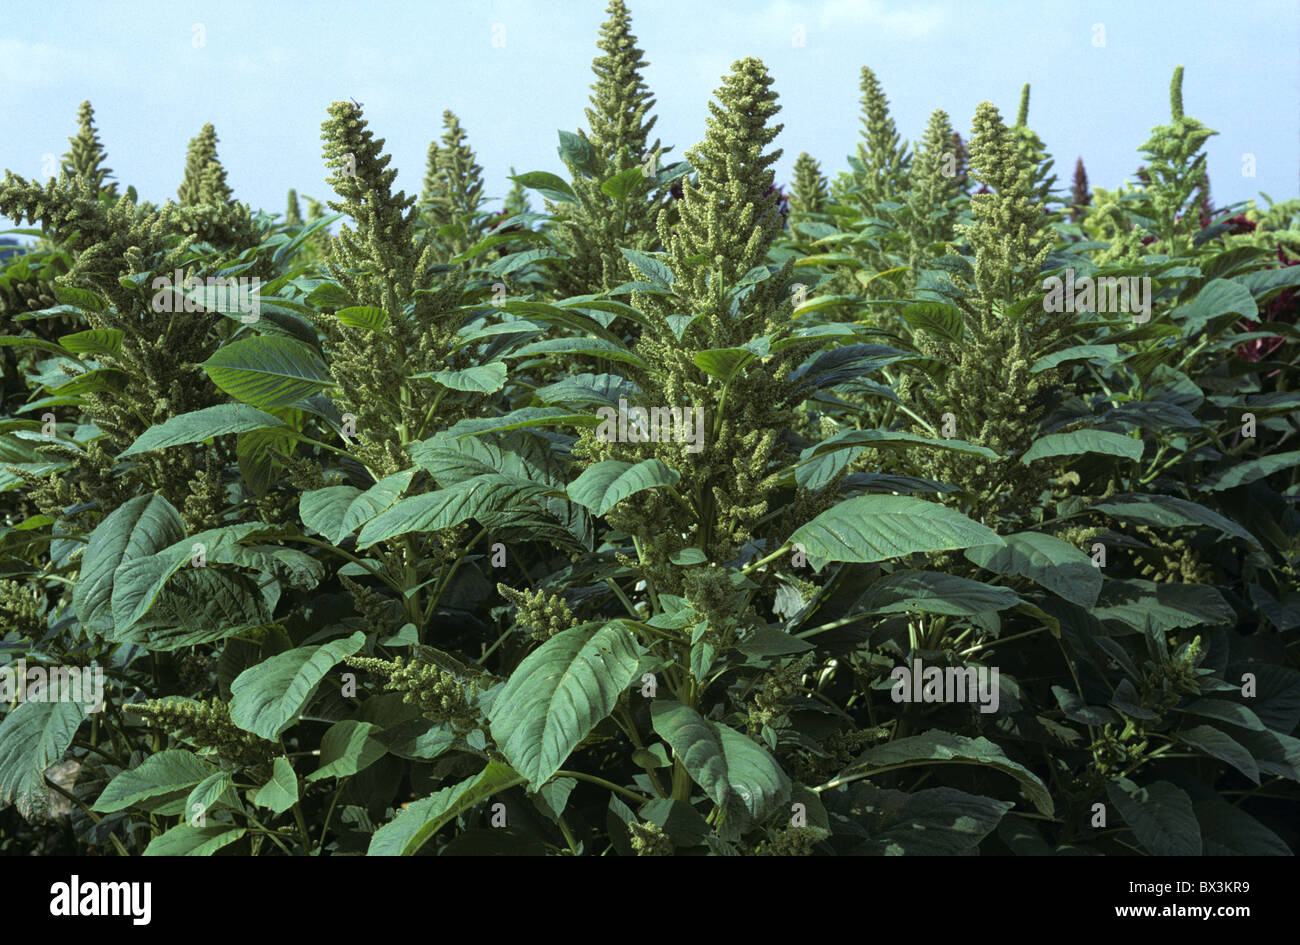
(1079, 195)
(933, 183)
(453, 189)
(881, 151)
(432, 182)
(620, 121)
(1032, 149)
(728, 219)
(205, 178)
(85, 157)
(962, 162)
(377, 263)
(1203, 199)
(1175, 169)
(618, 137)
(293, 211)
(1007, 236)
(383, 264)
(809, 195)
(516, 199)
(730, 215)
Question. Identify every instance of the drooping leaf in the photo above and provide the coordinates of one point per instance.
(735, 772)
(605, 484)
(202, 425)
(937, 747)
(186, 840)
(267, 371)
(1170, 512)
(138, 528)
(156, 781)
(1083, 441)
(558, 694)
(33, 737)
(873, 528)
(406, 833)
(267, 698)
(281, 792)
(933, 592)
(1047, 561)
(1160, 815)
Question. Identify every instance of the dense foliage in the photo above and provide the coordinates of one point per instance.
(396, 547)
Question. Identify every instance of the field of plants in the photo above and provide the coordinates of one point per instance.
(927, 504)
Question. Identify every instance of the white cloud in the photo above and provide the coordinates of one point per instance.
(912, 20)
(36, 65)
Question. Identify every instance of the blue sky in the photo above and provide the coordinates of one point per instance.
(265, 73)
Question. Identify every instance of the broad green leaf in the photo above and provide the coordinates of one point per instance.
(1227, 830)
(480, 379)
(406, 833)
(578, 151)
(1161, 606)
(80, 298)
(184, 840)
(1217, 297)
(202, 425)
(138, 582)
(155, 781)
(267, 371)
(281, 792)
(1170, 512)
(1222, 746)
(193, 607)
(322, 510)
(932, 592)
(1225, 711)
(1160, 815)
(723, 363)
(346, 748)
(38, 344)
(34, 734)
(558, 694)
(138, 528)
(937, 747)
(522, 419)
(431, 511)
(1103, 354)
(1047, 561)
(594, 347)
(874, 528)
(369, 317)
(1253, 470)
(621, 186)
(1084, 441)
(933, 822)
(95, 341)
(551, 187)
(937, 318)
(374, 500)
(649, 267)
(735, 772)
(604, 485)
(267, 698)
(215, 791)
